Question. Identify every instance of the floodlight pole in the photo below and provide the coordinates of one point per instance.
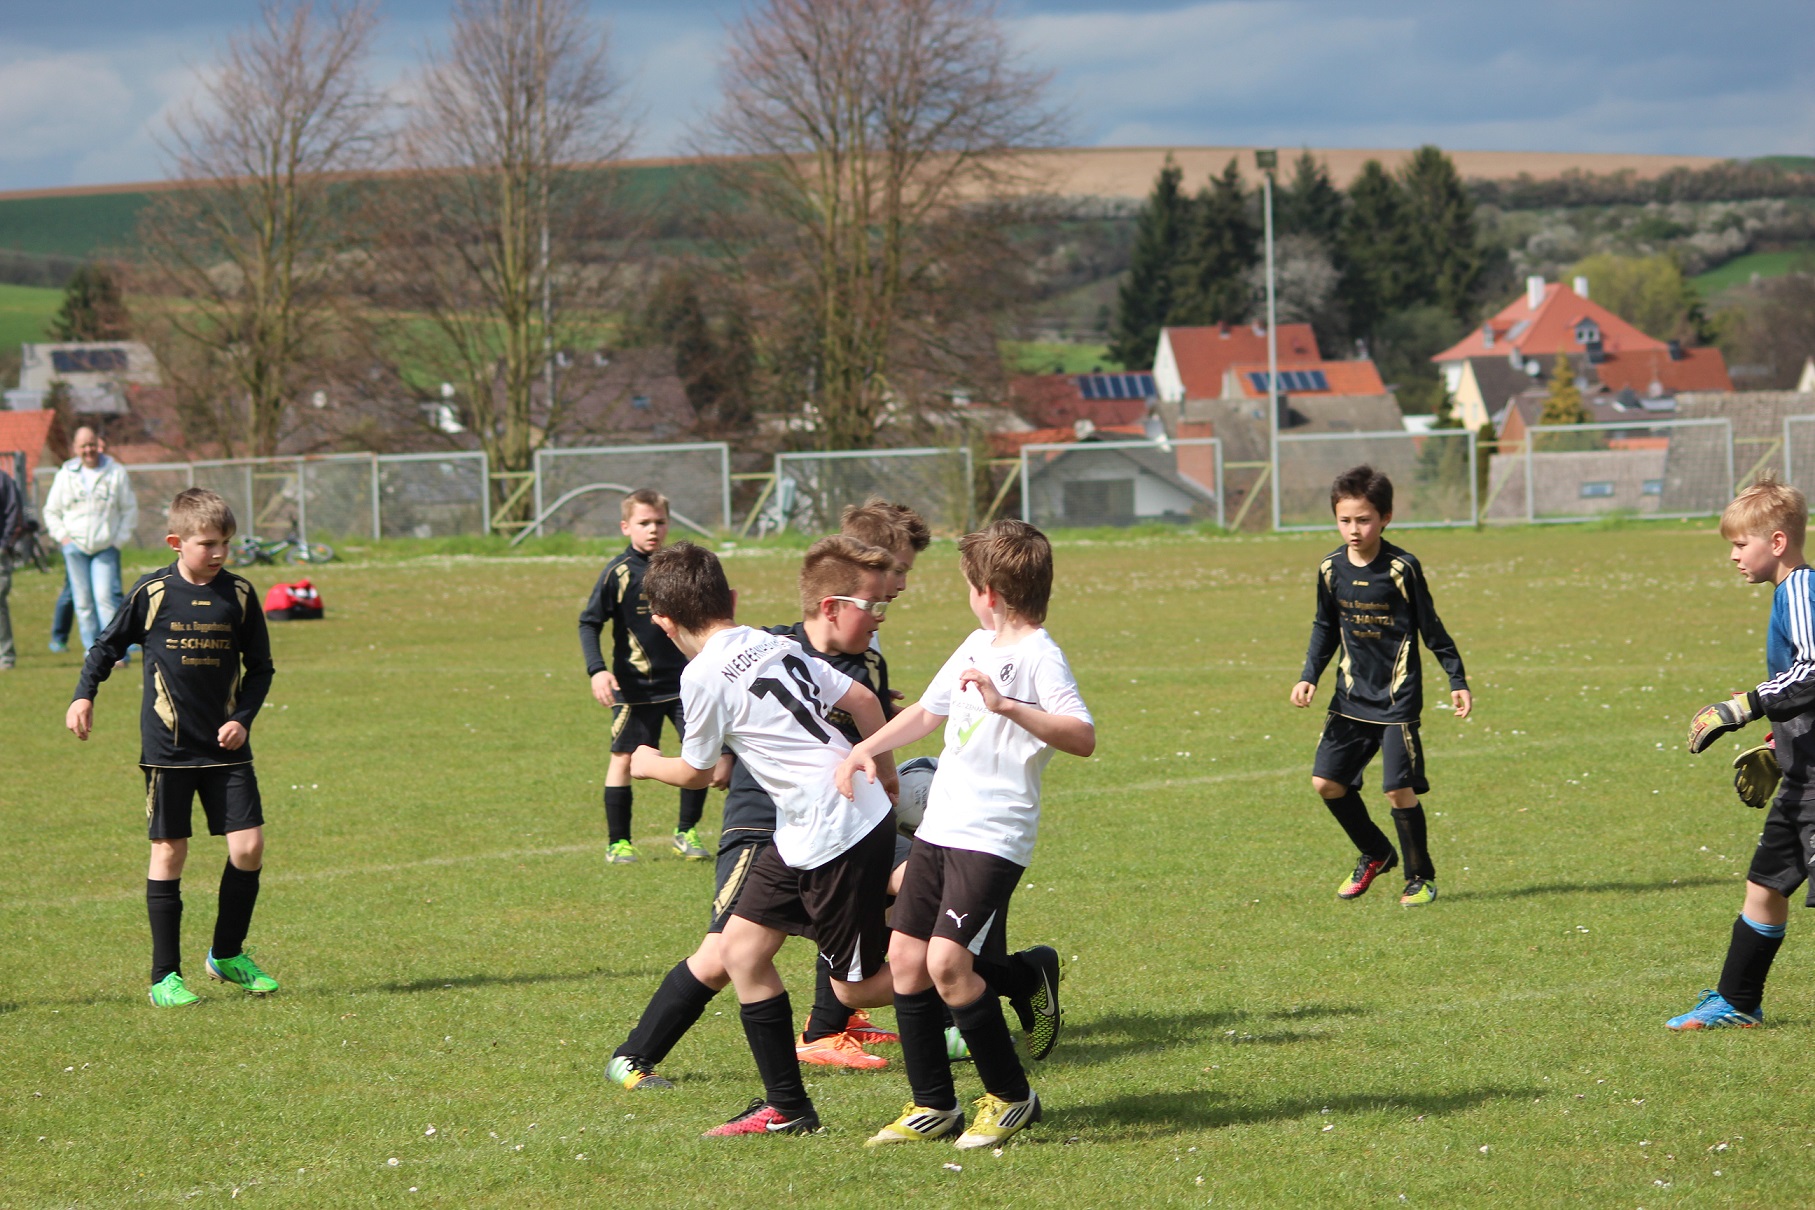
(1266, 160)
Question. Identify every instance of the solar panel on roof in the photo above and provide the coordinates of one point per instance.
(1086, 388)
(88, 361)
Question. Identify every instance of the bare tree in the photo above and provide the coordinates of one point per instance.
(243, 259)
(878, 135)
(489, 234)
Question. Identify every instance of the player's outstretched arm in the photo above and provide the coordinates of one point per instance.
(910, 726)
(1302, 693)
(648, 764)
(80, 718)
(1712, 722)
(1066, 732)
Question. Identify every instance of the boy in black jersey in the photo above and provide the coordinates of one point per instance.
(198, 624)
(642, 684)
(1372, 606)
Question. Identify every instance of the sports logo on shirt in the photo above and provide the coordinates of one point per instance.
(956, 918)
(1008, 671)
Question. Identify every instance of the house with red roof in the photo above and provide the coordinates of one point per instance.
(1482, 370)
(1192, 363)
(1061, 400)
(32, 434)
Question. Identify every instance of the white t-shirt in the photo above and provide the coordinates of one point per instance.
(765, 698)
(986, 793)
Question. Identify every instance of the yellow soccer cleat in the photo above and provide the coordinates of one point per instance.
(997, 1120)
(917, 1123)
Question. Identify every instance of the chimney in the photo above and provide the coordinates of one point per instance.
(1534, 292)
(1487, 336)
(1676, 350)
(1581, 286)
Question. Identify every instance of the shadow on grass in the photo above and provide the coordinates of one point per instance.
(435, 983)
(1589, 888)
(1157, 1114)
(1104, 1037)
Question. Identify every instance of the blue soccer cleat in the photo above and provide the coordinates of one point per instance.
(1713, 1012)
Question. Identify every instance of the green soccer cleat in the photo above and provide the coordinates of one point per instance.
(169, 992)
(688, 845)
(635, 1074)
(997, 1120)
(1418, 892)
(621, 852)
(917, 1123)
(1042, 1015)
(241, 971)
(956, 1048)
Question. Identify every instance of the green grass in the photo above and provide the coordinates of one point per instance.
(455, 954)
(25, 314)
(1044, 357)
(81, 225)
(1739, 271)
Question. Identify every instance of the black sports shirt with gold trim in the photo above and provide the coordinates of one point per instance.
(1370, 618)
(196, 638)
(645, 661)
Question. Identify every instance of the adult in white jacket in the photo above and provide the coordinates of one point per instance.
(90, 513)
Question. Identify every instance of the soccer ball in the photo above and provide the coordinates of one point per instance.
(916, 779)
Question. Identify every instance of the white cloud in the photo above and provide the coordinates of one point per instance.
(50, 104)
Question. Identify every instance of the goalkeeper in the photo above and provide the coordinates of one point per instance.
(1765, 525)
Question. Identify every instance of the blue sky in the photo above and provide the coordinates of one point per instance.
(84, 84)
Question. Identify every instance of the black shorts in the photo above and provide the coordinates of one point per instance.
(229, 799)
(958, 894)
(839, 904)
(737, 852)
(1348, 745)
(633, 725)
(1786, 849)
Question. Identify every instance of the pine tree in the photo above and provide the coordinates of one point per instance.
(92, 307)
(1211, 285)
(1311, 204)
(1145, 301)
(1373, 250)
(1564, 403)
(1446, 262)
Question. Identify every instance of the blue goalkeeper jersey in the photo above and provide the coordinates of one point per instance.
(1788, 695)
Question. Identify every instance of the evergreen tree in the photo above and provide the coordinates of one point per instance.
(92, 307)
(1373, 250)
(1564, 403)
(1211, 283)
(1446, 264)
(1311, 204)
(1145, 300)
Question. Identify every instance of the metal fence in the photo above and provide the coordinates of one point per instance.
(1433, 475)
(1121, 483)
(580, 491)
(811, 489)
(332, 495)
(1578, 472)
(1799, 453)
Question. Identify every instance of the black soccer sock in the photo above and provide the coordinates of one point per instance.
(1413, 851)
(1010, 977)
(617, 814)
(769, 1028)
(239, 895)
(1363, 832)
(992, 1048)
(829, 1015)
(1749, 958)
(921, 1018)
(164, 906)
(676, 1005)
(693, 806)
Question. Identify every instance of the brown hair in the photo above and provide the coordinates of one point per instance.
(686, 584)
(644, 495)
(835, 566)
(1768, 505)
(1363, 483)
(886, 524)
(1014, 559)
(196, 509)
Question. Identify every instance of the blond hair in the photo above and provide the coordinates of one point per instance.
(1014, 559)
(835, 567)
(1767, 507)
(647, 496)
(197, 509)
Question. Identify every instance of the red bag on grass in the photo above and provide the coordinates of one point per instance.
(293, 602)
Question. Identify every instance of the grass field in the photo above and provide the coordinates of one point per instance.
(25, 315)
(1049, 357)
(458, 962)
(1739, 271)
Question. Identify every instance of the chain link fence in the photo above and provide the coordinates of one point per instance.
(1122, 483)
(1799, 453)
(1578, 472)
(811, 489)
(1433, 475)
(580, 491)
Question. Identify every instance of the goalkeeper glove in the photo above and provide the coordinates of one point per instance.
(1756, 774)
(1712, 722)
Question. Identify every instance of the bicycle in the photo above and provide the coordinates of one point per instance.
(28, 549)
(251, 549)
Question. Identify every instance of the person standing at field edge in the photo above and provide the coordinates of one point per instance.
(198, 623)
(1373, 604)
(1765, 525)
(642, 684)
(90, 513)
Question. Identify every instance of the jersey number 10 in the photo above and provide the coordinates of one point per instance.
(807, 713)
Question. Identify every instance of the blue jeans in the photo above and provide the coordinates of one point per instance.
(63, 614)
(94, 580)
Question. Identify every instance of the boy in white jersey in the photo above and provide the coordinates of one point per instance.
(1006, 699)
(826, 872)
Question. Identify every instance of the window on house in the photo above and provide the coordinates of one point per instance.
(1597, 489)
(1652, 487)
(640, 402)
